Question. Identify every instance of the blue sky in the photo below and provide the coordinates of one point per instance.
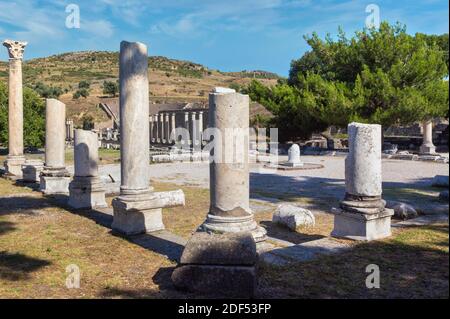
(230, 35)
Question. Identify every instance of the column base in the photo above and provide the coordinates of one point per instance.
(136, 216)
(364, 220)
(13, 165)
(31, 171)
(229, 224)
(55, 181)
(428, 149)
(87, 192)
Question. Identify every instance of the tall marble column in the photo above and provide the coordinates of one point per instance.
(200, 127)
(138, 208)
(55, 178)
(428, 147)
(151, 129)
(362, 215)
(157, 135)
(162, 128)
(187, 126)
(194, 134)
(173, 127)
(15, 159)
(229, 181)
(86, 189)
(167, 127)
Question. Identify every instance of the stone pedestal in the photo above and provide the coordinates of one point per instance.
(137, 209)
(86, 190)
(428, 147)
(229, 181)
(15, 158)
(362, 214)
(55, 178)
(221, 265)
(293, 157)
(32, 170)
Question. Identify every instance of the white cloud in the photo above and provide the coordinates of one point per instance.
(101, 28)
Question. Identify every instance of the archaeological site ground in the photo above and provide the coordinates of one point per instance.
(125, 174)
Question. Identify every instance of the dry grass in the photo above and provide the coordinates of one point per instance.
(39, 239)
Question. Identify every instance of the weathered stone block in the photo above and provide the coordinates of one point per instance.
(87, 192)
(293, 216)
(232, 281)
(218, 265)
(220, 249)
(51, 185)
(364, 227)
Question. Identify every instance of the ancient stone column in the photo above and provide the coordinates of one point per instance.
(229, 181)
(427, 147)
(362, 215)
(138, 208)
(151, 129)
(86, 189)
(187, 126)
(200, 127)
(161, 128)
(194, 128)
(167, 128)
(173, 127)
(15, 159)
(55, 178)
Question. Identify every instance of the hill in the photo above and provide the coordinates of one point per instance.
(170, 80)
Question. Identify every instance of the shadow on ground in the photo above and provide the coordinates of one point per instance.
(414, 264)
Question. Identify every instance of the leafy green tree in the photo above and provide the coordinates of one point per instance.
(84, 85)
(383, 76)
(110, 88)
(48, 92)
(81, 93)
(33, 113)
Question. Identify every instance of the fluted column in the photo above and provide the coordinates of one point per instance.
(15, 159)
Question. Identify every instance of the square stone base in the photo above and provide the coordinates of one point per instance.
(428, 150)
(31, 172)
(229, 281)
(130, 218)
(51, 185)
(13, 165)
(86, 197)
(362, 227)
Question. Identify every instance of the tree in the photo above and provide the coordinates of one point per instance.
(84, 85)
(48, 92)
(88, 122)
(81, 93)
(110, 88)
(383, 76)
(33, 113)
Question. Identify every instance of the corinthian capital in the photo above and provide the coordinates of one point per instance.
(15, 48)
